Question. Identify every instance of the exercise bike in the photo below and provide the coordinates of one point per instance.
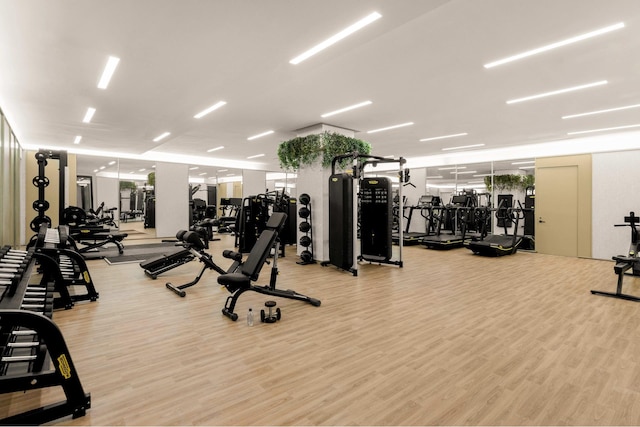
(630, 261)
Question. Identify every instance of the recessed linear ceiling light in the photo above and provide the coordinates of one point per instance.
(159, 137)
(523, 163)
(452, 168)
(96, 170)
(390, 127)
(603, 129)
(434, 177)
(141, 170)
(351, 107)
(269, 132)
(556, 45)
(557, 92)
(462, 147)
(77, 140)
(89, 115)
(255, 156)
(102, 167)
(112, 63)
(203, 173)
(482, 174)
(215, 149)
(336, 37)
(463, 173)
(194, 168)
(231, 174)
(527, 167)
(601, 111)
(112, 162)
(444, 137)
(210, 109)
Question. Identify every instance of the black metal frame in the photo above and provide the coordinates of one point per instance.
(64, 373)
(33, 352)
(624, 263)
(240, 282)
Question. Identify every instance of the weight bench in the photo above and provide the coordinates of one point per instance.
(622, 265)
(240, 282)
(99, 237)
(165, 262)
(195, 246)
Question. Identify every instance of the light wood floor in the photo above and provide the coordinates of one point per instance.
(450, 339)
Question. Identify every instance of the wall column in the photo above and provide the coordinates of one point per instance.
(314, 180)
(253, 182)
(172, 198)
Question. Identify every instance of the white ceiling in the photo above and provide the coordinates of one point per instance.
(422, 62)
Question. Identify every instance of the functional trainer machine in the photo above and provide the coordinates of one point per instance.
(376, 214)
(626, 262)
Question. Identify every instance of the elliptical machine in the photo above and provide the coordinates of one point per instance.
(626, 262)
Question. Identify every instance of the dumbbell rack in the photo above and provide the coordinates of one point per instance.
(304, 212)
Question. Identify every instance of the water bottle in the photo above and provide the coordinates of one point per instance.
(250, 317)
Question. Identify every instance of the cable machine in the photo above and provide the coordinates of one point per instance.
(374, 223)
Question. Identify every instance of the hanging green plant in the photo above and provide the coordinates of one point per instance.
(302, 150)
(151, 179)
(510, 182)
(528, 181)
(127, 185)
(487, 183)
(305, 150)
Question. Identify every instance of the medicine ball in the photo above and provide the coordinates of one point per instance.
(305, 241)
(304, 212)
(306, 256)
(304, 227)
(304, 199)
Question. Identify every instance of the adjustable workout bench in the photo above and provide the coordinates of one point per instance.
(159, 264)
(626, 262)
(195, 246)
(239, 282)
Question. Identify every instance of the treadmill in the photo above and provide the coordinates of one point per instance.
(447, 219)
(410, 238)
(500, 245)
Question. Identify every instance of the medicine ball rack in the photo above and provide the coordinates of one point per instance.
(42, 182)
(306, 241)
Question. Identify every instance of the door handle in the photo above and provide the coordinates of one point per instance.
(541, 221)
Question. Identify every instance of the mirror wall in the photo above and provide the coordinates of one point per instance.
(125, 189)
(126, 185)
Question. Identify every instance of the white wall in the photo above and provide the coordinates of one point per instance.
(172, 198)
(615, 192)
(107, 190)
(253, 182)
(418, 177)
